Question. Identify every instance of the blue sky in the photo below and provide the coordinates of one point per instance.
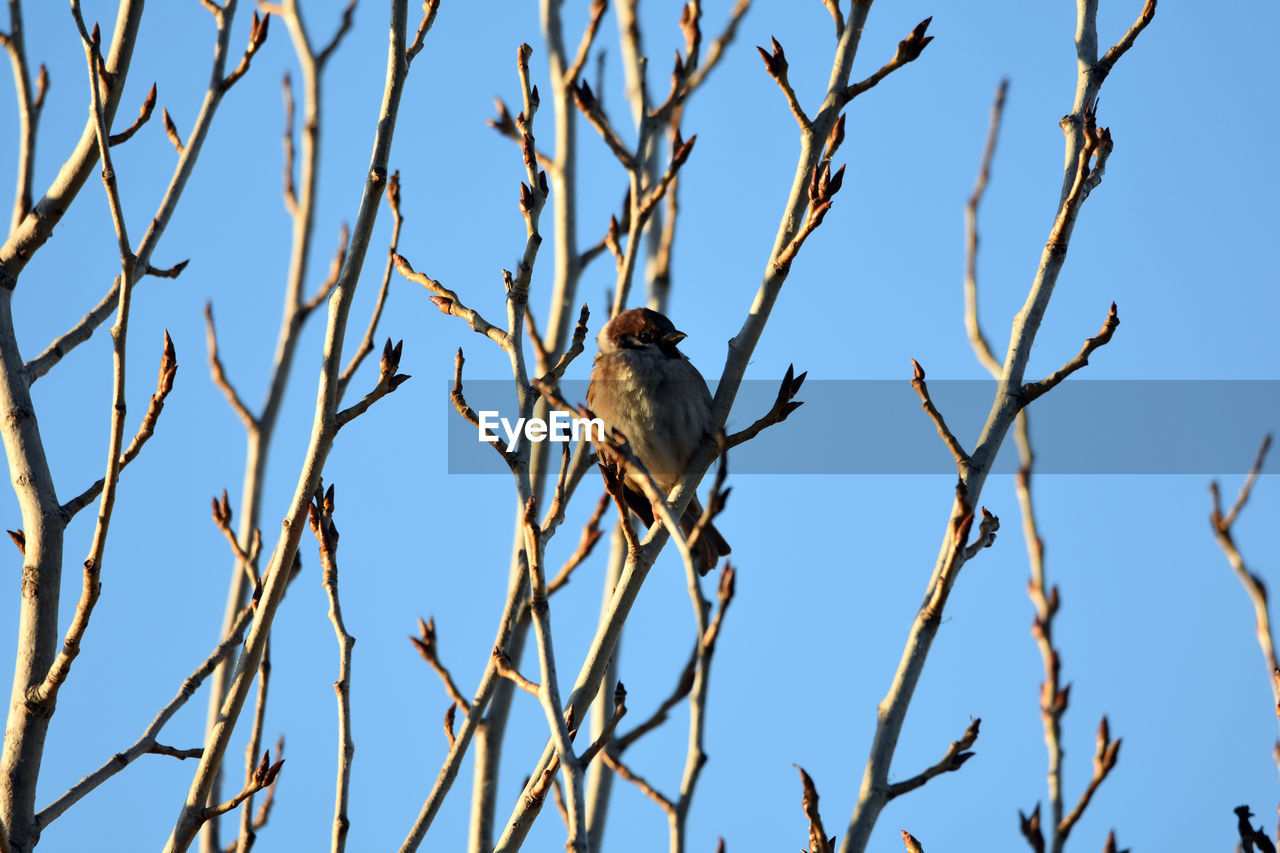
(1155, 632)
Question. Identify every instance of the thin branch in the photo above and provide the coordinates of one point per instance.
(164, 384)
(591, 534)
(1253, 585)
(986, 535)
(1104, 760)
(290, 189)
(593, 111)
(450, 715)
(557, 791)
(776, 64)
(944, 432)
(76, 335)
(167, 272)
(97, 71)
(976, 339)
(425, 643)
(957, 754)
(1033, 390)
(366, 343)
(321, 519)
(506, 669)
(429, 9)
(823, 186)
(575, 349)
(819, 842)
(219, 374)
(257, 36)
(613, 475)
(783, 405)
(457, 397)
(29, 109)
(549, 691)
(716, 51)
(909, 50)
(596, 14)
(610, 726)
(180, 754)
(388, 381)
(171, 131)
(331, 280)
(1224, 523)
(505, 125)
(683, 685)
(247, 558)
(1112, 56)
(262, 777)
(45, 693)
(144, 744)
(833, 6)
(322, 58)
(264, 810)
(449, 303)
(247, 837)
(617, 766)
(144, 115)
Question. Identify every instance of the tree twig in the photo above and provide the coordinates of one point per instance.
(321, 520)
(426, 645)
(220, 375)
(909, 49)
(366, 343)
(957, 754)
(146, 429)
(1254, 586)
(976, 339)
(143, 745)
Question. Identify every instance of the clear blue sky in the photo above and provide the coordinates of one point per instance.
(1155, 632)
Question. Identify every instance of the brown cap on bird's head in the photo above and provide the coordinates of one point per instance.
(641, 327)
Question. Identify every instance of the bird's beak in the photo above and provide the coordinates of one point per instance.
(673, 338)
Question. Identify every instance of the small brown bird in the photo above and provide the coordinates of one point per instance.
(645, 388)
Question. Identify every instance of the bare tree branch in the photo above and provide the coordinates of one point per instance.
(944, 432)
(1084, 141)
(957, 754)
(45, 693)
(783, 405)
(257, 36)
(168, 369)
(1033, 390)
(144, 744)
(909, 49)
(323, 434)
(1104, 760)
(219, 373)
(321, 520)
(144, 115)
(776, 64)
(366, 343)
(1253, 585)
(976, 339)
(819, 842)
(425, 643)
(388, 381)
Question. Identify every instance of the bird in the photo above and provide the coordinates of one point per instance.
(643, 386)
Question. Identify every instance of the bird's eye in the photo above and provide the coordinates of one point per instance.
(639, 341)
